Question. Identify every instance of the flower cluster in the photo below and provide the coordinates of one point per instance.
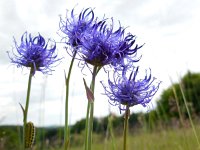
(128, 91)
(97, 42)
(33, 52)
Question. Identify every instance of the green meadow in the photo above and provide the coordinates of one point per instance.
(165, 139)
(174, 124)
(170, 139)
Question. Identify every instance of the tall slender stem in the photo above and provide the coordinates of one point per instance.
(126, 117)
(110, 120)
(90, 112)
(66, 130)
(87, 126)
(90, 125)
(95, 69)
(26, 107)
(189, 115)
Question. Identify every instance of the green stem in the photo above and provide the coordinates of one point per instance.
(189, 115)
(126, 117)
(177, 103)
(95, 71)
(110, 126)
(26, 106)
(91, 125)
(66, 130)
(90, 113)
(87, 126)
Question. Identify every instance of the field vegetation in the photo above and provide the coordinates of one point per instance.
(173, 125)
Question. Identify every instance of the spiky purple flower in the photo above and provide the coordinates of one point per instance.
(75, 26)
(104, 45)
(97, 48)
(96, 41)
(34, 52)
(128, 91)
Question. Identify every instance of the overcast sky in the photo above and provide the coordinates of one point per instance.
(169, 29)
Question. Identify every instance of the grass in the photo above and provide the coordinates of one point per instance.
(162, 139)
(170, 139)
(138, 139)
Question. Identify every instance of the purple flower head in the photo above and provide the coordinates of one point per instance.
(96, 41)
(76, 25)
(97, 48)
(34, 52)
(129, 91)
(104, 45)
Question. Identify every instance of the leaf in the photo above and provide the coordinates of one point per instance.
(22, 108)
(89, 93)
(66, 79)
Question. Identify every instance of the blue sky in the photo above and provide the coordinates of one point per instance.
(169, 29)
